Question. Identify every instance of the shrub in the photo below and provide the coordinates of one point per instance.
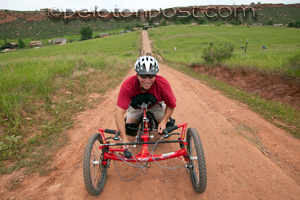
(194, 62)
(214, 54)
(269, 23)
(235, 23)
(182, 20)
(201, 21)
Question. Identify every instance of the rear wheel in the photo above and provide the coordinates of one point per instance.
(94, 172)
(197, 160)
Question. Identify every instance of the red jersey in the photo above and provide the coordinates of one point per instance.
(161, 89)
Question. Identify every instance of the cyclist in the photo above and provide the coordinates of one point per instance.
(146, 80)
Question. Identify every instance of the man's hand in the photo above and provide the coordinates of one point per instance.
(125, 140)
(163, 122)
(161, 126)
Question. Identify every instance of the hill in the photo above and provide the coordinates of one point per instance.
(38, 25)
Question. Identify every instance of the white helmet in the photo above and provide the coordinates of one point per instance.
(146, 65)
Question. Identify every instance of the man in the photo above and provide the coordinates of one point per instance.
(146, 80)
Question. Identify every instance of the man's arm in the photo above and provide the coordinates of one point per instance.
(120, 122)
(162, 124)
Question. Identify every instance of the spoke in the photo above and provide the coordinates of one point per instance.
(95, 164)
(193, 156)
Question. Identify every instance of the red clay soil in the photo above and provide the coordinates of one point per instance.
(237, 169)
(269, 86)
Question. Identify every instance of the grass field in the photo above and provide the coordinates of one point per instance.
(41, 89)
(281, 43)
(116, 44)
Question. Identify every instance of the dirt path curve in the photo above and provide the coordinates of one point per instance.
(236, 168)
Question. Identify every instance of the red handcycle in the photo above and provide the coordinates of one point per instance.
(99, 153)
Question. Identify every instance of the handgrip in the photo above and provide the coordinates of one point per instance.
(171, 128)
(110, 131)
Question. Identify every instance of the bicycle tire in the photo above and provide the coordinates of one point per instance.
(197, 160)
(94, 172)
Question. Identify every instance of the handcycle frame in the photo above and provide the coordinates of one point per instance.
(144, 154)
(190, 149)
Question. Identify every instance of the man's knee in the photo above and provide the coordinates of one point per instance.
(131, 121)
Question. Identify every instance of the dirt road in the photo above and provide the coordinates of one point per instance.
(246, 157)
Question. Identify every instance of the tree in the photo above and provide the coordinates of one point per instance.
(163, 22)
(21, 44)
(86, 33)
(291, 24)
(297, 24)
(138, 25)
(127, 27)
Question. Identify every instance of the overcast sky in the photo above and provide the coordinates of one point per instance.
(32, 5)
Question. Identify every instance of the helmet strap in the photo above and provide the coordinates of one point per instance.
(142, 86)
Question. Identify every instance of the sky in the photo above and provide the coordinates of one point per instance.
(134, 5)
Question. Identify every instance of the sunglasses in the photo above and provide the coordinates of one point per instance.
(145, 76)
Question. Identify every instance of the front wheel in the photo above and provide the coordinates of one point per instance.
(197, 160)
(94, 172)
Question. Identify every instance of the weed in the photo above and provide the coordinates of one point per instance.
(14, 184)
(249, 132)
(294, 64)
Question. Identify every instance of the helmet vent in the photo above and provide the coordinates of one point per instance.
(146, 65)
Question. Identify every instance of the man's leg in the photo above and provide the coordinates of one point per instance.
(158, 111)
(133, 115)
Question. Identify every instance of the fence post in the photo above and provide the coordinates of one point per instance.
(246, 45)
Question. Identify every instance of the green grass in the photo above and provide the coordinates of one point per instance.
(40, 90)
(191, 40)
(283, 47)
(282, 115)
(117, 44)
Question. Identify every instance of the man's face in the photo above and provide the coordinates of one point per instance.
(146, 81)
